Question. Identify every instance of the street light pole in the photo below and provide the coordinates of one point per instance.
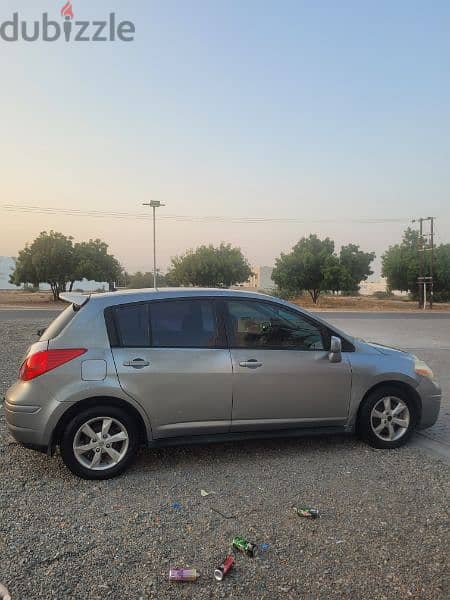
(154, 204)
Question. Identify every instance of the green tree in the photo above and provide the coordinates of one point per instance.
(92, 262)
(306, 267)
(441, 273)
(209, 267)
(49, 259)
(336, 276)
(400, 263)
(52, 258)
(140, 280)
(355, 267)
(24, 271)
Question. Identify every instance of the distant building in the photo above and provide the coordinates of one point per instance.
(368, 288)
(261, 279)
(8, 264)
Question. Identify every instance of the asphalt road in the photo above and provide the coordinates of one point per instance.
(27, 314)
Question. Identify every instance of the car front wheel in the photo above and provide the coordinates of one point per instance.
(99, 442)
(387, 418)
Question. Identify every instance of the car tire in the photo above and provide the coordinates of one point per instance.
(99, 442)
(387, 417)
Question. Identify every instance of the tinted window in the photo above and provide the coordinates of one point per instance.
(183, 324)
(133, 325)
(264, 325)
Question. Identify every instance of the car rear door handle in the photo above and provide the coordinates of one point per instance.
(137, 363)
(251, 363)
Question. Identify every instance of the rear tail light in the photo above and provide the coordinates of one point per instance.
(47, 360)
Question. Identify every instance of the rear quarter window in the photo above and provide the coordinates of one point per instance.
(128, 325)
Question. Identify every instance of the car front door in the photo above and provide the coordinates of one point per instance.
(171, 358)
(282, 375)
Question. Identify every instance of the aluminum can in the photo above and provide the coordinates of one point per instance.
(308, 512)
(241, 544)
(225, 567)
(183, 574)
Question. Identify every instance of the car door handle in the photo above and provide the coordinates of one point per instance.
(251, 363)
(137, 363)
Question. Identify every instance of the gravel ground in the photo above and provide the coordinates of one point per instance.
(383, 532)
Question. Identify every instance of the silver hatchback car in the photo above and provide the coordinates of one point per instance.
(161, 367)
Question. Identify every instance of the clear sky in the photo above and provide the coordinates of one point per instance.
(311, 110)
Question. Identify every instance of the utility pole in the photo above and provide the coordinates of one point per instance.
(421, 261)
(154, 204)
(431, 259)
(425, 246)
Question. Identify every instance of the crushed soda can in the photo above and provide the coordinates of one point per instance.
(181, 575)
(241, 544)
(225, 567)
(308, 512)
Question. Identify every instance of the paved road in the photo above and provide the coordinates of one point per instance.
(30, 314)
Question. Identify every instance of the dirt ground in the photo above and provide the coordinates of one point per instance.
(21, 298)
(365, 303)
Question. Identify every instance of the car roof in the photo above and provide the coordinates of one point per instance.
(106, 299)
(139, 295)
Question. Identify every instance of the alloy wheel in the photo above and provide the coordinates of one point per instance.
(390, 418)
(100, 443)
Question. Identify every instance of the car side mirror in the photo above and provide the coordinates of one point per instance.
(335, 354)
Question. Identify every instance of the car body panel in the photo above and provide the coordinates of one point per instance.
(370, 367)
(56, 391)
(290, 389)
(192, 392)
(186, 391)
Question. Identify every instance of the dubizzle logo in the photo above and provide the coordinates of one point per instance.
(69, 30)
(67, 10)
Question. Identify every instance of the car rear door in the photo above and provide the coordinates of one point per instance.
(282, 376)
(171, 357)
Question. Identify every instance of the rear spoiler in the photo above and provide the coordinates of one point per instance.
(78, 300)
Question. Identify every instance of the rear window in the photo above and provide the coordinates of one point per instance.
(163, 324)
(133, 325)
(61, 321)
(183, 324)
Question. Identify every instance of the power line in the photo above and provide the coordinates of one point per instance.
(185, 218)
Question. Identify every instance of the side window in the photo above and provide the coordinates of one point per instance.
(133, 325)
(263, 325)
(183, 324)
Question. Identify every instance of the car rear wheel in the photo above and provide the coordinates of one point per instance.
(387, 418)
(99, 442)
